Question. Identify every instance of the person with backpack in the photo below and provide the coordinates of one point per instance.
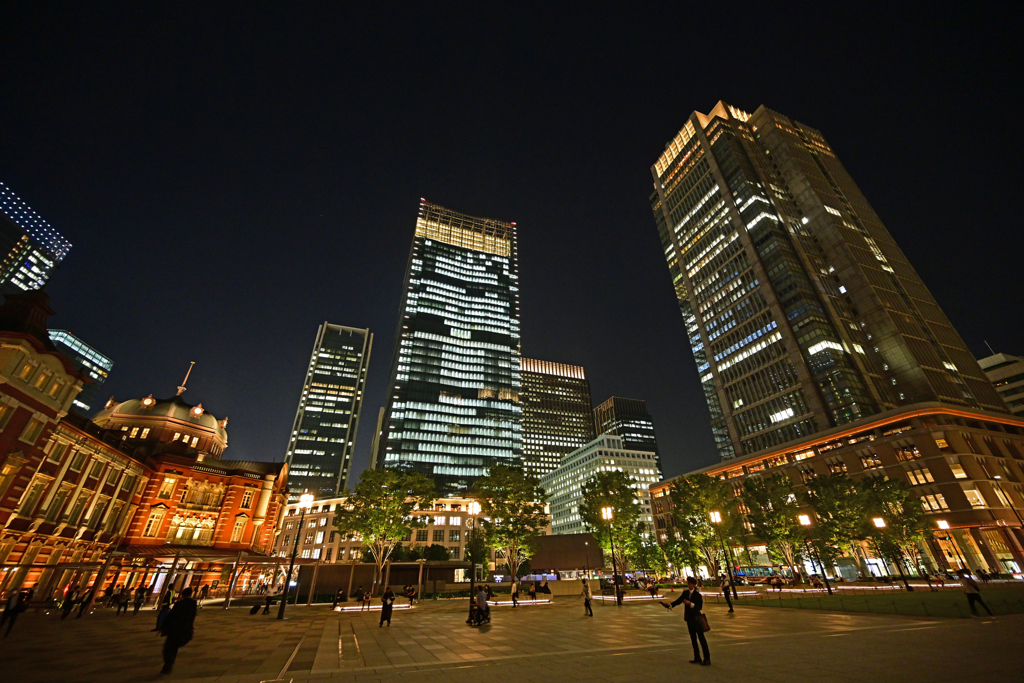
(973, 592)
(178, 628)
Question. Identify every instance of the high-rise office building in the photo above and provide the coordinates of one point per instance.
(454, 406)
(557, 417)
(30, 247)
(324, 434)
(1006, 373)
(628, 419)
(89, 361)
(802, 312)
(564, 485)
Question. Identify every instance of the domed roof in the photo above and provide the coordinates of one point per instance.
(175, 407)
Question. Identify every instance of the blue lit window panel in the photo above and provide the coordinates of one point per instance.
(30, 247)
(454, 408)
(320, 448)
(89, 362)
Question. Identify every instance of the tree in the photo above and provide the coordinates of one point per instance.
(617, 491)
(905, 526)
(679, 554)
(378, 511)
(512, 511)
(693, 499)
(772, 510)
(839, 506)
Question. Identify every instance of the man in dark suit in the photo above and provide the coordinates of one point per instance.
(694, 603)
(178, 627)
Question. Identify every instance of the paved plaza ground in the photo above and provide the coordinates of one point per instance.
(542, 644)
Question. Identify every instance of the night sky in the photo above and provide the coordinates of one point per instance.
(233, 175)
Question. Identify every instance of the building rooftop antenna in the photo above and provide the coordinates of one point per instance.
(181, 389)
(989, 347)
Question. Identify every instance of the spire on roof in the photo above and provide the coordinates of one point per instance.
(181, 389)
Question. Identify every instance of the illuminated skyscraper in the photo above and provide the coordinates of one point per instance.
(628, 419)
(89, 361)
(320, 448)
(802, 312)
(454, 406)
(557, 417)
(30, 247)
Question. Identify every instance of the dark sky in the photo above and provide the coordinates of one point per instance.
(232, 175)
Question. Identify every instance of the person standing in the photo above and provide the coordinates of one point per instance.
(86, 598)
(123, 598)
(695, 621)
(533, 591)
(204, 593)
(70, 598)
(587, 596)
(724, 580)
(268, 601)
(165, 609)
(177, 628)
(973, 592)
(483, 611)
(140, 598)
(386, 602)
(515, 592)
(15, 606)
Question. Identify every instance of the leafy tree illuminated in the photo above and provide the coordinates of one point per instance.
(693, 499)
(772, 511)
(512, 512)
(378, 511)
(617, 491)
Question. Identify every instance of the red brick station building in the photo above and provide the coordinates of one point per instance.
(136, 493)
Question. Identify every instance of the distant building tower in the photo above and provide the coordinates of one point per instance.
(453, 409)
(564, 485)
(89, 362)
(802, 312)
(324, 434)
(1006, 372)
(557, 416)
(628, 418)
(30, 247)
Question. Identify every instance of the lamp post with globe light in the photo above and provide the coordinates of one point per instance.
(606, 514)
(944, 525)
(305, 503)
(880, 524)
(473, 509)
(805, 521)
(716, 519)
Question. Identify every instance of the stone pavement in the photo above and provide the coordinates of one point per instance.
(543, 643)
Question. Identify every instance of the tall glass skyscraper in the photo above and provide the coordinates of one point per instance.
(324, 434)
(628, 419)
(802, 312)
(557, 417)
(30, 247)
(89, 361)
(454, 406)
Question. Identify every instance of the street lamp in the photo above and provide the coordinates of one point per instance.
(473, 509)
(805, 521)
(716, 519)
(606, 513)
(880, 524)
(305, 503)
(943, 524)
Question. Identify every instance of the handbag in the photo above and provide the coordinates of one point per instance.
(702, 621)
